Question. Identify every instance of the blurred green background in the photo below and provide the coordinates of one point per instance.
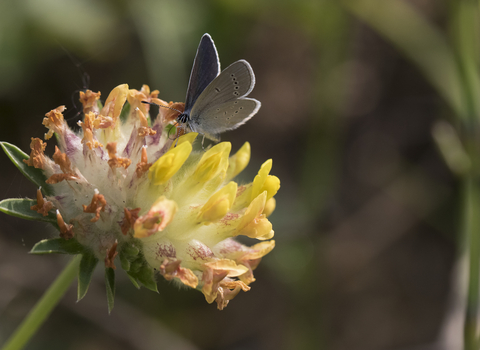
(367, 218)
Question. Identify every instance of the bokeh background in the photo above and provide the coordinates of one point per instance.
(368, 215)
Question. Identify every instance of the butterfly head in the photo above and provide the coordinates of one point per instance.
(183, 118)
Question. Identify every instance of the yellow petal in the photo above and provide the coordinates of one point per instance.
(213, 162)
(260, 179)
(168, 164)
(259, 250)
(269, 207)
(253, 223)
(260, 228)
(238, 161)
(233, 270)
(219, 204)
(214, 277)
(115, 101)
(271, 185)
(189, 137)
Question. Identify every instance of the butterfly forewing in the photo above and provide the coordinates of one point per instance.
(206, 68)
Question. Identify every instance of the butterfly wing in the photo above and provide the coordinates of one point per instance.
(222, 105)
(227, 116)
(206, 68)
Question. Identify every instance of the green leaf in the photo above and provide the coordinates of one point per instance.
(85, 272)
(35, 175)
(58, 246)
(110, 284)
(20, 207)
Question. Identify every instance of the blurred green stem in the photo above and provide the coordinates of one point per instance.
(465, 24)
(421, 41)
(44, 307)
(472, 238)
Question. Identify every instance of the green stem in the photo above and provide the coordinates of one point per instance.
(44, 307)
(472, 234)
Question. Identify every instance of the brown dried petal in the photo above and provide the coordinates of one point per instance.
(54, 121)
(66, 230)
(37, 158)
(97, 205)
(131, 215)
(110, 257)
(171, 268)
(42, 206)
(114, 161)
(143, 165)
(89, 101)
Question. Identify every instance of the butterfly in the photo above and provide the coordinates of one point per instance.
(215, 100)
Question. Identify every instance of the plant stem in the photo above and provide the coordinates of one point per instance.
(472, 235)
(43, 308)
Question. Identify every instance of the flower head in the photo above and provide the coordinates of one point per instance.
(121, 187)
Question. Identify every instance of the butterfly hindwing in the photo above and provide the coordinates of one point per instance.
(235, 81)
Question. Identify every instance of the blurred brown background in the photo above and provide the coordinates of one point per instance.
(367, 216)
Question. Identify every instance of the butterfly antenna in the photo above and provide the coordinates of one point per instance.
(84, 76)
(155, 104)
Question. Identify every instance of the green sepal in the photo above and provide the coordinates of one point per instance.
(99, 105)
(141, 272)
(130, 250)
(20, 207)
(134, 281)
(125, 262)
(135, 267)
(110, 284)
(128, 253)
(35, 175)
(146, 276)
(58, 246)
(134, 263)
(125, 112)
(85, 273)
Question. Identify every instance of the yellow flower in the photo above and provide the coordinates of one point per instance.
(122, 186)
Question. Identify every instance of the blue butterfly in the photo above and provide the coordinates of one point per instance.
(215, 100)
